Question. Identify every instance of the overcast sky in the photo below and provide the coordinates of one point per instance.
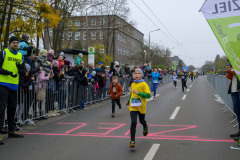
(185, 23)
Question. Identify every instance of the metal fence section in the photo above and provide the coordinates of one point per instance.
(219, 85)
(50, 98)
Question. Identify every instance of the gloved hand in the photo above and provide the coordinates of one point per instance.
(13, 75)
(19, 67)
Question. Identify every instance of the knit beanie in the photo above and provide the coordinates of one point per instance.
(93, 72)
(140, 72)
(86, 69)
(13, 38)
(43, 52)
(27, 66)
(51, 51)
(66, 62)
(98, 70)
(55, 63)
(80, 55)
(61, 54)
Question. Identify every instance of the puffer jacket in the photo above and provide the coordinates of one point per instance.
(42, 62)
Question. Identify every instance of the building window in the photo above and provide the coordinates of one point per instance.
(94, 22)
(77, 36)
(120, 37)
(50, 31)
(101, 34)
(93, 35)
(123, 51)
(102, 22)
(120, 50)
(84, 35)
(69, 23)
(101, 49)
(69, 35)
(127, 52)
(84, 48)
(69, 47)
(77, 23)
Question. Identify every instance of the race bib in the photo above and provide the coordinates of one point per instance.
(155, 81)
(114, 89)
(136, 102)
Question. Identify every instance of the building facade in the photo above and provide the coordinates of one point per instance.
(108, 34)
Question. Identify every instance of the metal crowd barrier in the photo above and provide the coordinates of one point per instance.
(49, 98)
(219, 84)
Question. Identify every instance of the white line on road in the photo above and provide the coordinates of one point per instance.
(175, 113)
(151, 153)
(183, 98)
(150, 99)
(188, 90)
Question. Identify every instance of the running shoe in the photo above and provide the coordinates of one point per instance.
(154, 99)
(113, 115)
(145, 131)
(132, 144)
(120, 107)
(235, 135)
(1, 142)
(14, 135)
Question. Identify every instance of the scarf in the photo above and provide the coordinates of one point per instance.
(14, 52)
(139, 81)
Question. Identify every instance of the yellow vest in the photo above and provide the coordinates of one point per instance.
(140, 87)
(9, 64)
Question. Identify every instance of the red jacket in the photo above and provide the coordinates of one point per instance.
(61, 63)
(119, 91)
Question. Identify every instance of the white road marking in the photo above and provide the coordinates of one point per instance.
(184, 97)
(150, 99)
(151, 153)
(175, 113)
(188, 90)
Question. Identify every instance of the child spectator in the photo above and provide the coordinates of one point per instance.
(43, 62)
(61, 62)
(78, 59)
(50, 55)
(23, 47)
(115, 92)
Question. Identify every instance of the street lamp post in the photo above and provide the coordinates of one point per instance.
(150, 41)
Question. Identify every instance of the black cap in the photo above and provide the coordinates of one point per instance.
(13, 38)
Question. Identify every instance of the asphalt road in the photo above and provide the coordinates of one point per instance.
(183, 125)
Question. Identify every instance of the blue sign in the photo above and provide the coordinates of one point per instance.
(187, 68)
(183, 68)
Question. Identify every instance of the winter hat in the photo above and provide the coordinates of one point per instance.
(27, 66)
(86, 69)
(43, 52)
(140, 67)
(13, 38)
(98, 70)
(80, 55)
(93, 72)
(30, 52)
(116, 63)
(117, 66)
(140, 71)
(100, 62)
(51, 51)
(55, 63)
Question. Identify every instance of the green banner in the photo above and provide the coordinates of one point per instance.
(224, 19)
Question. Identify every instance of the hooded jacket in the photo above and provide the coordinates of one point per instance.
(50, 57)
(78, 60)
(118, 92)
(23, 47)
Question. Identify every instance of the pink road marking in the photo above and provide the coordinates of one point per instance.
(78, 135)
(82, 124)
(172, 130)
(111, 129)
(129, 131)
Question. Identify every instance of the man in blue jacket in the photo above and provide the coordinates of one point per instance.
(23, 47)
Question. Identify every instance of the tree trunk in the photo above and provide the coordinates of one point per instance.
(8, 24)
(3, 20)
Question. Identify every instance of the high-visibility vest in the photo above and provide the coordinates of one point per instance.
(9, 64)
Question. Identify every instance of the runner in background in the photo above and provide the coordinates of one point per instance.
(155, 80)
(174, 78)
